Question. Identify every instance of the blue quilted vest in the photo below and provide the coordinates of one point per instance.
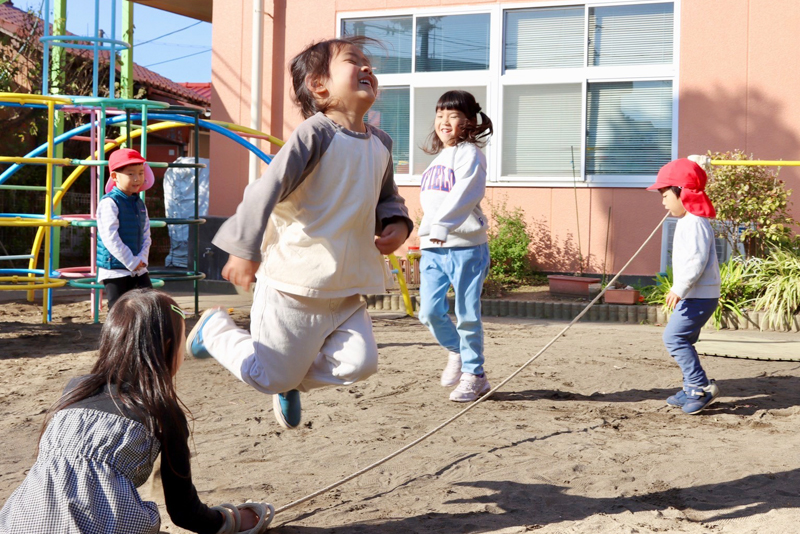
(132, 218)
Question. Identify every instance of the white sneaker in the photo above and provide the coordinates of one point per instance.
(470, 388)
(452, 371)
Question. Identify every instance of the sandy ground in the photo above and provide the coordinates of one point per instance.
(581, 441)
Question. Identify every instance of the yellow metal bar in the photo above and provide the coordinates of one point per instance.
(246, 130)
(42, 161)
(20, 222)
(756, 162)
(24, 98)
(48, 208)
(403, 288)
(33, 283)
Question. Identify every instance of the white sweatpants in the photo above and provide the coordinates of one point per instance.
(295, 342)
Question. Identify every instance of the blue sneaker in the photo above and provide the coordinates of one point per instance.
(679, 399)
(698, 398)
(194, 341)
(286, 407)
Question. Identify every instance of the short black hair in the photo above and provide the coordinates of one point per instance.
(674, 188)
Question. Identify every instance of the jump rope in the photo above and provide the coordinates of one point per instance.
(262, 509)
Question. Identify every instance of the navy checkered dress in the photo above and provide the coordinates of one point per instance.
(85, 478)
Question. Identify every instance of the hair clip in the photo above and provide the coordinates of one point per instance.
(178, 311)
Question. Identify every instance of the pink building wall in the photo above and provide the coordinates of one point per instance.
(739, 88)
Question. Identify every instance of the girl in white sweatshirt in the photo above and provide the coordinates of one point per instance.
(454, 241)
(695, 289)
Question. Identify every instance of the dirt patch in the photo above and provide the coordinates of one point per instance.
(579, 442)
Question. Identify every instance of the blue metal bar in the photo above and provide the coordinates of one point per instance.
(121, 118)
(68, 41)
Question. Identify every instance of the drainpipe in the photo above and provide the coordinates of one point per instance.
(255, 82)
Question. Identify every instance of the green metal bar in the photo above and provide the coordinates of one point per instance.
(57, 88)
(126, 80)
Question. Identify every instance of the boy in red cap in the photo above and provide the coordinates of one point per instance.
(123, 227)
(695, 288)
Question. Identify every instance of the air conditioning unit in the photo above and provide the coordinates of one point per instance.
(724, 250)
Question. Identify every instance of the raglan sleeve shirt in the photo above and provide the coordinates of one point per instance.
(241, 235)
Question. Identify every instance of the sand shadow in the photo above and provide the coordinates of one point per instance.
(742, 396)
(510, 504)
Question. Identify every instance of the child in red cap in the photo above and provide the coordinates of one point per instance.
(123, 227)
(695, 289)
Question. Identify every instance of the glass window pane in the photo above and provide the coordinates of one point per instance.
(544, 38)
(629, 127)
(394, 33)
(542, 131)
(424, 114)
(630, 35)
(456, 42)
(390, 113)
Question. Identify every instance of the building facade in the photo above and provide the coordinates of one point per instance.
(589, 99)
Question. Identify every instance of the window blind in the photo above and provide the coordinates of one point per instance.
(545, 38)
(630, 35)
(390, 113)
(542, 131)
(629, 127)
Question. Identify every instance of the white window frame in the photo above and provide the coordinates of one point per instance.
(498, 79)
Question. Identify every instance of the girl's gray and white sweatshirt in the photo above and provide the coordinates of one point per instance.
(451, 191)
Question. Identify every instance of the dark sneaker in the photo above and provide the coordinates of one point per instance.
(697, 398)
(286, 407)
(195, 346)
(679, 399)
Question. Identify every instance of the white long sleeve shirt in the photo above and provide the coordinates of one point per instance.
(695, 269)
(108, 229)
(451, 191)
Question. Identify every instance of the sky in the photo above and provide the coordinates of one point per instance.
(152, 48)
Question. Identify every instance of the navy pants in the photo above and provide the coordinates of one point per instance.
(682, 333)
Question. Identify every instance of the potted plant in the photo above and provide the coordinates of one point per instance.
(570, 286)
(621, 294)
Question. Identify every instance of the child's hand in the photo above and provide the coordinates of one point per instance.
(240, 272)
(249, 519)
(141, 265)
(392, 236)
(671, 300)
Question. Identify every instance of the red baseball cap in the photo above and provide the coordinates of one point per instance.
(691, 178)
(123, 157)
(129, 156)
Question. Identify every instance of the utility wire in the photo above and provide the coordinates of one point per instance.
(177, 58)
(170, 33)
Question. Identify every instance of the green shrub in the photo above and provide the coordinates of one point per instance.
(509, 239)
(776, 280)
(736, 290)
(751, 201)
